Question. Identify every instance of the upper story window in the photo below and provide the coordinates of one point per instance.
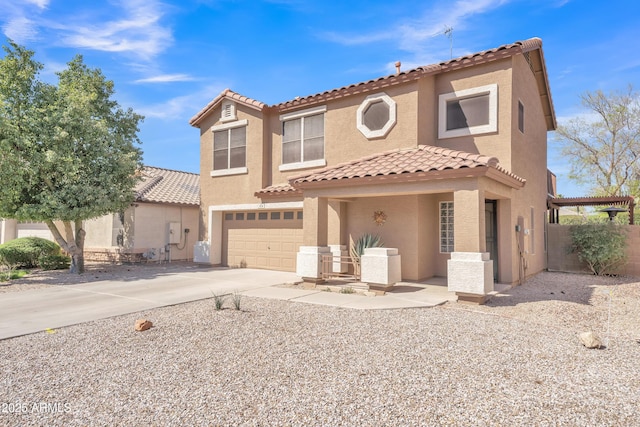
(230, 148)
(303, 139)
(468, 112)
(376, 115)
(228, 111)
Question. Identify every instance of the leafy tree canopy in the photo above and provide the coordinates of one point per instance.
(68, 152)
(604, 149)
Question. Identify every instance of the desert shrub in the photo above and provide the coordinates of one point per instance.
(600, 246)
(54, 262)
(25, 251)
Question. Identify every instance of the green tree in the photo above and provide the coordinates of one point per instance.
(68, 152)
(605, 152)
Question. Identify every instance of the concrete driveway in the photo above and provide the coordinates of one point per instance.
(36, 310)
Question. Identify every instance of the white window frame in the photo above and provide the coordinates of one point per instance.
(443, 99)
(228, 111)
(444, 249)
(297, 115)
(372, 99)
(231, 171)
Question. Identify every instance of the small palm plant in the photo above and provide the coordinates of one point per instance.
(358, 247)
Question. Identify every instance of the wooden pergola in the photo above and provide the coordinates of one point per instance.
(554, 205)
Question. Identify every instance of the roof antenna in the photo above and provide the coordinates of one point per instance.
(448, 31)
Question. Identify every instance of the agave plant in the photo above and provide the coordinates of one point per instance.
(358, 247)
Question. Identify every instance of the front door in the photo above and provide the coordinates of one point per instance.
(491, 233)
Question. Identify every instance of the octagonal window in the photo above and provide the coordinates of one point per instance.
(376, 115)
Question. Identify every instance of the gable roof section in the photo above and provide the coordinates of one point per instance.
(525, 47)
(531, 48)
(226, 94)
(168, 186)
(421, 163)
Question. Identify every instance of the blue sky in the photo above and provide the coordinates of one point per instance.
(170, 58)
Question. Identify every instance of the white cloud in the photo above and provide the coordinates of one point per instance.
(413, 36)
(181, 107)
(138, 32)
(42, 4)
(20, 29)
(18, 19)
(134, 26)
(167, 78)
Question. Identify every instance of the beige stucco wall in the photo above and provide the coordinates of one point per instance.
(343, 141)
(399, 231)
(152, 228)
(529, 161)
(492, 144)
(561, 260)
(233, 189)
(100, 231)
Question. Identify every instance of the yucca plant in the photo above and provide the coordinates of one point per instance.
(358, 247)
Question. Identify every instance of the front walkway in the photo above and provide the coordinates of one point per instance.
(37, 310)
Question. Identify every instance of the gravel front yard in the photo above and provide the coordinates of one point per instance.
(516, 361)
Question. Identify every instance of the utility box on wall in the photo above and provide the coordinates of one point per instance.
(174, 233)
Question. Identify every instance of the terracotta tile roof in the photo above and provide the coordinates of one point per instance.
(168, 186)
(500, 52)
(413, 74)
(278, 190)
(225, 94)
(422, 159)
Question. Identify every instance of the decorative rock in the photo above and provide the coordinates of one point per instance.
(143, 324)
(590, 340)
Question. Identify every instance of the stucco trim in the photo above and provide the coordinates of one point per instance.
(256, 206)
(302, 165)
(227, 172)
(303, 113)
(475, 172)
(230, 125)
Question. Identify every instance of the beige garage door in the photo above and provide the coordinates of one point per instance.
(267, 240)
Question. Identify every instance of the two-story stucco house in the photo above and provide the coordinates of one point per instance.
(450, 159)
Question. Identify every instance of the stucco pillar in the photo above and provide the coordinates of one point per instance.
(314, 223)
(470, 270)
(468, 221)
(336, 226)
(314, 237)
(215, 237)
(336, 222)
(381, 267)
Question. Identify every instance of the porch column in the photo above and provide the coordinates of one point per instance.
(468, 221)
(314, 222)
(314, 238)
(469, 271)
(215, 237)
(336, 219)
